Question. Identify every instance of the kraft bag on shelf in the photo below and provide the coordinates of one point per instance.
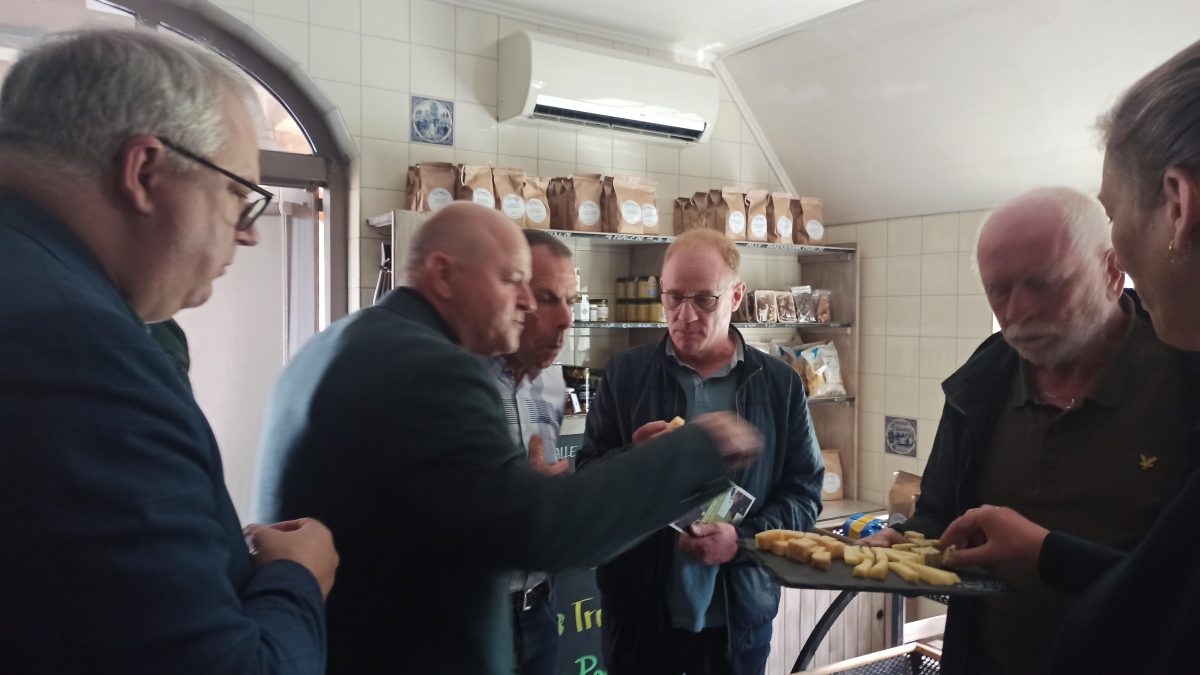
(478, 185)
(732, 213)
(537, 203)
(814, 219)
(834, 487)
(756, 215)
(712, 219)
(649, 198)
(510, 193)
(411, 186)
(436, 185)
(779, 218)
(623, 197)
(902, 498)
(681, 220)
(585, 194)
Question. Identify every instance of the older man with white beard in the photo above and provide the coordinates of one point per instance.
(1061, 416)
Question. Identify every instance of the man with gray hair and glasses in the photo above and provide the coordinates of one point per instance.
(128, 170)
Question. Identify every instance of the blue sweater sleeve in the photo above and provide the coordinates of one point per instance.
(122, 551)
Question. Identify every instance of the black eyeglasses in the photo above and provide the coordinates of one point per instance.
(254, 205)
(701, 301)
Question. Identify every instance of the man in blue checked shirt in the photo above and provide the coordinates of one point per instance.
(532, 391)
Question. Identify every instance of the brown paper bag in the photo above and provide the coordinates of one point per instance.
(902, 498)
(732, 213)
(649, 198)
(779, 218)
(627, 200)
(799, 236)
(814, 219)
(411, 187)
(712, 219)
(756, 215)
(608, 205)
(681, 221)
(537, 203)
(585, 201)
(834, 488)
(436, 185)
(478, 185)
(510, 193)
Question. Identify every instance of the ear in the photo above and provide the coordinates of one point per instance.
(1182, 192)
(141, 161)
(739, 292)
(439, 274)
(1114, 277)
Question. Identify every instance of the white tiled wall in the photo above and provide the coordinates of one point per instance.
(369, 56)
(922, 314)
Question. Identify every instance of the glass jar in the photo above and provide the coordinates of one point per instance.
(601, 307)
(643, 288)
(651, 288)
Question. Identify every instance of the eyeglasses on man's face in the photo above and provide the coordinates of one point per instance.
(702, 301)
(256, 202)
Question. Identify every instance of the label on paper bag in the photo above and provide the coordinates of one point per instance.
(513, 207)
(589, 213)
(737, 222)
(536, 211)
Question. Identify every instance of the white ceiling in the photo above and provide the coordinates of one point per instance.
(894, 108)
(683, 26)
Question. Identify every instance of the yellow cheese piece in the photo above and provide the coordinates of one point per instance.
(907, 546)
(853, 555)
(835, 547)
(901, 556)
(863, 569)
(879, 570)
(779, 547)
(676, 423)
(801, 549)
(904, 571)
(933, 575)
(932, 556)
(763, 540)
(820, 559)
(913, 535)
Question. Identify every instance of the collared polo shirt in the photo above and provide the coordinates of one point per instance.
(1102, 471)
(691, 597)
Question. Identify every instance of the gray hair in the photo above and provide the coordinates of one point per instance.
(1087, 225)
(81, 95)
(1155, 125)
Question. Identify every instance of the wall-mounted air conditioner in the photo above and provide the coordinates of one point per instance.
(557, 81)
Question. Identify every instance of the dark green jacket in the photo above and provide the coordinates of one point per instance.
(393, 435)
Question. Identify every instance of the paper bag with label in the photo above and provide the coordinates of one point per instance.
(730, 506)
(510, 192)
(537, 205)
(814, 219)
(681, 221)
(478, 185)
(732, 213)
(833, 489)
(623, 198)
(712, 219)
(649, 195)
(437, 181)
(756, 215)
(585, 202)
(779, 218)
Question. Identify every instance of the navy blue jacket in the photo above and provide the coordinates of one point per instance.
(638, 387)
(120, 550)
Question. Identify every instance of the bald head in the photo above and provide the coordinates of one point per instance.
(1072, 221)
(1049, 274)
(463, 231)
(473, 265)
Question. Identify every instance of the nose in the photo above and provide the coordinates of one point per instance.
(687, 311)
(1021, 305)
(525, 301)
(566, 315)
(247, 237)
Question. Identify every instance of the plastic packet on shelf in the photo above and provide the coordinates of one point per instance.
(802, 298)
(825, 367)
(786, 304)
(765, 309)
(823, 302)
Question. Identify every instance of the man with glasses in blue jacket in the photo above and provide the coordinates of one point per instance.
(675, 602)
